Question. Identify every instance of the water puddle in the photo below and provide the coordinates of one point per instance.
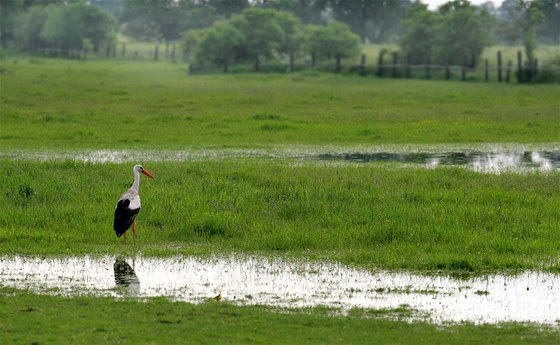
(482, 158)
(526, 297)
(491, 162)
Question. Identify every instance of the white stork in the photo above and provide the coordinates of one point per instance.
(128, 206)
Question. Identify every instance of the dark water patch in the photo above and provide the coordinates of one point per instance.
(479, 161)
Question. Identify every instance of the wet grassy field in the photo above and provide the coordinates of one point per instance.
(371, 215)
(375, 215)
(144, 105)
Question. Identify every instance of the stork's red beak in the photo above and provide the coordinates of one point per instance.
(145, 172)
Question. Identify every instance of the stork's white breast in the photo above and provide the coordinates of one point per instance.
(134, 199)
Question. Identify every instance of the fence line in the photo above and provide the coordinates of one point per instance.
(527, 71)
(524, 71)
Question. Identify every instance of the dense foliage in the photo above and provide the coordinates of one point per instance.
(454, 35)
(65, 27)
(259, 34)
(168, 20)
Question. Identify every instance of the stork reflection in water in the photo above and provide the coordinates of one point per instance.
(124, 274)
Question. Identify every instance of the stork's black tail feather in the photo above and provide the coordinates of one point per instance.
(124, 217)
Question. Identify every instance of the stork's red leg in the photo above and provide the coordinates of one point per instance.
(134, 232)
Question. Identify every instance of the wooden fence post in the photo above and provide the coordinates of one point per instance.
(363, 63)
(508, 72)
(486, 70)
(408, 65)
(226, 63)
(338, 67)
(447, 73)
(380, 64)
(519, 67)
(363, 60)
(395, 59)
(291, 62)
(499, 66)
(463, 73)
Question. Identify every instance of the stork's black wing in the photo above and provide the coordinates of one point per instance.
(124, 216)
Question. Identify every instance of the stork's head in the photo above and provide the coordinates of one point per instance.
(140, 169)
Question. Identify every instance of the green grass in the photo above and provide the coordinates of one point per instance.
(59, 104)
(375, 216)
(33, 319)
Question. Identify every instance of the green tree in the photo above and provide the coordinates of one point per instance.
(419, 37)
(29, 26)
(9, 10)
(262, 31)
(201, 14)
(190, 41)
(67, 26)
(507, 18)
(308, 11)
(111, 6)
(99, 27)
(333, 41)
(201, 17)
(371, 19)
(154, 19)
(550, 28)
(454, 35)
(226, 8)
(531, 16)
(462, 32)
(292, 39)
(63, 28)
(313, 38)
(218, 44)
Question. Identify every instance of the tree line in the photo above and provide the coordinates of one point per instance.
(260, 33)
(224, 31)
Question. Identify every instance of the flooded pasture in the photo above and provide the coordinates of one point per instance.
(524, 297)
(481, 158)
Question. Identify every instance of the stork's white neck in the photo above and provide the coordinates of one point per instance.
(136, 184)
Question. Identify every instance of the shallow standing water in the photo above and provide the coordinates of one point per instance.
(486, 158)
(526, 297)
